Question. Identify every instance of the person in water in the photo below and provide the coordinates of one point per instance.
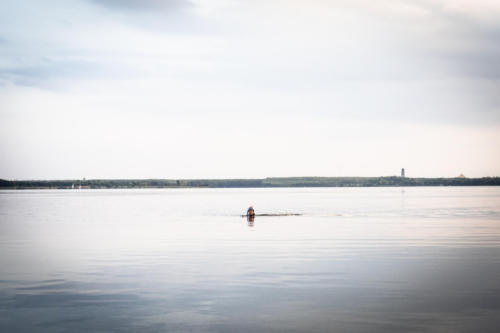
(250, 211)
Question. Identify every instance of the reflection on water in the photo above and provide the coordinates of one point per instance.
(356, 260)
(250, 220)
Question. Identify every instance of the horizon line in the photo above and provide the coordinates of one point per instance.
(244, 178)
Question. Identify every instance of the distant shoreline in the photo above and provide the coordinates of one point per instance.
(274, 182)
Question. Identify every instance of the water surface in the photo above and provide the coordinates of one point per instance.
(183, 260)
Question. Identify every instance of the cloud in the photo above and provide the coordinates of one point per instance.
(143, 4)
(181, 64)
(56, 74)
(169, 16)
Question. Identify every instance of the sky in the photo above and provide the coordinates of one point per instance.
(249, 89)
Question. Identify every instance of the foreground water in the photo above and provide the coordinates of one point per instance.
(183, 260)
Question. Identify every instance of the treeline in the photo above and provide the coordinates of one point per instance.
(379, 181)
(266, 182)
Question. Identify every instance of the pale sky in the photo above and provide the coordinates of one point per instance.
(249, 89)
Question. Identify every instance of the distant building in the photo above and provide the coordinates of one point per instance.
(403, 172)
(461, 176)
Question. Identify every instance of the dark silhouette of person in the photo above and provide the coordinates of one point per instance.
(250, 211)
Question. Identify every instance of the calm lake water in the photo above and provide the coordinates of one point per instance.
(183, 260)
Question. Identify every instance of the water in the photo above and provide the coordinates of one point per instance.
(183, 260)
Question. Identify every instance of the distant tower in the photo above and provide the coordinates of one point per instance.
(403, 172)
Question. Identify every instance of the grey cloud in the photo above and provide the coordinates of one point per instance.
(469, 45)
(477, 65)
(460, 43)
(171, 16)
(55, 75)
(143, 4)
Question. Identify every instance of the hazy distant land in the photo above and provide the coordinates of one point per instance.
(231, 183)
